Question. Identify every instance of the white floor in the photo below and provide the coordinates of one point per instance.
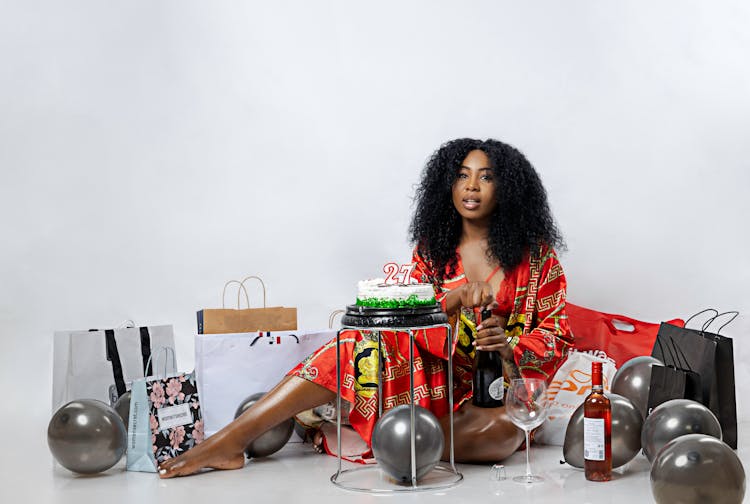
(298, 474)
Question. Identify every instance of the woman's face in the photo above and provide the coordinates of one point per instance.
(474, 187)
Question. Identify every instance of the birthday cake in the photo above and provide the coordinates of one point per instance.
(376, 293)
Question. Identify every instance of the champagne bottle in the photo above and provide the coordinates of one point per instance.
(597, 430)
(488, 376)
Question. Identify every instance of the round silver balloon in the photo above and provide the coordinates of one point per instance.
(633, 380)
(391, 442)
(673, 419)
(122, 407)
(626, 433)
(697, 468)
(270, 441)
(86, 436)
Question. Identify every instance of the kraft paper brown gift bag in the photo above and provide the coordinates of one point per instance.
(227, 320)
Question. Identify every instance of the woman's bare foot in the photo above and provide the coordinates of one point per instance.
(216, 452)
(317, 441)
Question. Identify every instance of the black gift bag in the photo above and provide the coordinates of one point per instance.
(700, 366)
(674, 380)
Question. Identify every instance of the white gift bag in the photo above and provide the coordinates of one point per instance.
(567, 390)
(100, 364)
(230, 367)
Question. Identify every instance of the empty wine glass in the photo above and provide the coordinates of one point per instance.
(526, 405)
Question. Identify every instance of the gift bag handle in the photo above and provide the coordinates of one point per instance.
(113, 355)
(663, 353)
(674, 354)
(145, 350)
(620, 324)
(333, 316)
(714, 310)
(241, 288)
(261, 284)
(710, 321)
(167, 351)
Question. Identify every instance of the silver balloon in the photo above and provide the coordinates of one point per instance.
(626, 433)
(391, 442)
(86, 436)
(673, 419)
(270, 441)
(696, 468)
(633, 380)
(122, 407)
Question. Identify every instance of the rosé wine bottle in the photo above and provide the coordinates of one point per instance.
(597, 430)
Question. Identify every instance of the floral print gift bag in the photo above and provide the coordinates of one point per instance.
(174, 415)
(165, 420)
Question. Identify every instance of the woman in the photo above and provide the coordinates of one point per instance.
(484, 238)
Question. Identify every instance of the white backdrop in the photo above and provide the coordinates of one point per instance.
(150, 151)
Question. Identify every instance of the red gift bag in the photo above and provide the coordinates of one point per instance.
(613, 337)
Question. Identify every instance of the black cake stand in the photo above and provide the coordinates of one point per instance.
(367, 317)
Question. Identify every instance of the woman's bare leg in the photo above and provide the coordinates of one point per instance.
(226, 448)
(481, 435)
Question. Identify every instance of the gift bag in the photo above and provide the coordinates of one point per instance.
(139, 454)
(567, 390)
(165, 419)
(226, 320)
(711, 356)
(230, 367)
(175, 415)
(674, 380)
(613, 337)
(100, 364)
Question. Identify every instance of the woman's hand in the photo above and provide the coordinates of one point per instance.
(491, 332)
(470, 295)
(476, 295)
(491, 337)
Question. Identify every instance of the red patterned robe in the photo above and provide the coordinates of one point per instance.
(531, 296)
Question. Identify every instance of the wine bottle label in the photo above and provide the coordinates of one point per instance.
(593, 438)
(497, 389)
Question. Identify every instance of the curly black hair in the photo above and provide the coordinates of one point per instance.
(520, 222)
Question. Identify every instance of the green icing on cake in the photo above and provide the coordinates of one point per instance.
(412, 301)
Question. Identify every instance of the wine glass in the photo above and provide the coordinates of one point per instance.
(526, 405)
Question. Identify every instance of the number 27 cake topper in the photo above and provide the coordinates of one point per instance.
(398, 273)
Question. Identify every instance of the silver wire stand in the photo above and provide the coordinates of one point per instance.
(369, 478)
